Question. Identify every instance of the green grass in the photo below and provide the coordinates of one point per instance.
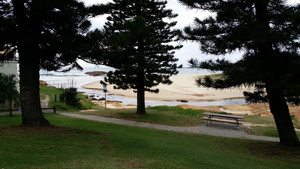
(87, 144)
(266, 131)
(262, 120)
(51, 92)
(268, 127)
(167, 115)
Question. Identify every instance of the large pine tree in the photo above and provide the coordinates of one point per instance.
(268, 32)
(48, 35)
(138, 36)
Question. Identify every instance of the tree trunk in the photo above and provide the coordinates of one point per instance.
(277, 102)
(29, 66)
(140, 72)
(140, 96)
(29, 90)
(280, 111)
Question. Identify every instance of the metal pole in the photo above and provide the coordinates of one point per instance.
(105, 100)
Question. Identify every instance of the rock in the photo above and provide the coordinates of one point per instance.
(114, 101)
(102, 98)
(43, 83)
(96, 73)
(184, 101)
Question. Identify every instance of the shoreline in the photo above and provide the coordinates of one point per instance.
(183, 88)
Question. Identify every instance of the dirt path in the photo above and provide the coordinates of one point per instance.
(215, 130)
(44, 103)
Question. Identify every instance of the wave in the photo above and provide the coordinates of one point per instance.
(59, 75)
(75, 73)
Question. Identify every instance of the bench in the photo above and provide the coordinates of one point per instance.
(210, 117)
(50, 108)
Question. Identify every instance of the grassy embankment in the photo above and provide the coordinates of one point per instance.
(51, 92)
(80, 143)
(167, 115)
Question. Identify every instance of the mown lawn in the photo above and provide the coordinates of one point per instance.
(167, 115)
(265, 126)
(76, 143)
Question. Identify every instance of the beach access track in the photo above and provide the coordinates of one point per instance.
(228, 132)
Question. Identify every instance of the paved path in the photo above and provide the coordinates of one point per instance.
(222, 131)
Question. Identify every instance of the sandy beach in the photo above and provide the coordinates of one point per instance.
(182, 88)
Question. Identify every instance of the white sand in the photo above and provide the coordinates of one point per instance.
(183, 88)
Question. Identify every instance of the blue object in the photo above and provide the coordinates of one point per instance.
(105, 90)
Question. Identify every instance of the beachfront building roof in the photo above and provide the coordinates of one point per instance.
(8, 54)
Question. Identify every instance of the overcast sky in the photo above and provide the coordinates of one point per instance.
(185, 18)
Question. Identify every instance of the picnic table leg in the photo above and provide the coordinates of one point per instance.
(209, 120)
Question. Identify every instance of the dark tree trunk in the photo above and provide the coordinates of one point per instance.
(140, 95)
(277, 102)
(280, 111)
(29, 89)
(140, 73)
(29, 66)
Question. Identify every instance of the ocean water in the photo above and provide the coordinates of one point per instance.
(77, 78)
(73, 78)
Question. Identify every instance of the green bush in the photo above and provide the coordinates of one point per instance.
(8, 87)
(69, 97)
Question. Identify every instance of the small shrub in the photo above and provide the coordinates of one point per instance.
(69, 96)
(8, 90)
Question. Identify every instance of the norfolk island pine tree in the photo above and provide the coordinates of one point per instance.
(268, 33)
(48, 35)
(137, 44)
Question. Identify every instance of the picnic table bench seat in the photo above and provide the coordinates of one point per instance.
(224, 118)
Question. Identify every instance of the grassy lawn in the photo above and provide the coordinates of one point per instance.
(76, 143)
(262, 120)
(167, 115)
(266, 131)
(268, 127)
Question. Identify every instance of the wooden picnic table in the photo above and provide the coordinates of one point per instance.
(224, 118)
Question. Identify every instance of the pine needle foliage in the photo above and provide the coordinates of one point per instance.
(138, 40)
(48, 34)
(267, 32)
